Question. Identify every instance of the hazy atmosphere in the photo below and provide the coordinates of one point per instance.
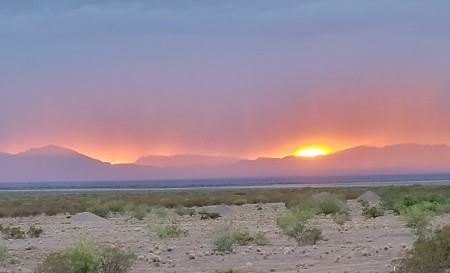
(117, 80)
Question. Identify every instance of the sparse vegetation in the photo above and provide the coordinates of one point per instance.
(298, 225)
(204, 215)
(228, 236)
(240, 202)
(260, 239)
(34, 232)
(372, 211)
(139, 212)
(416, 218)
(166, 231)
(99, 209)
(329, 205)
(428, 254)
(87, 257)
(341, 217)
(13, 233)
(4, 256)
(181, 211)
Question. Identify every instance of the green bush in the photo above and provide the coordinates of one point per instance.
(13, 233)
(341, 217)
(297, 225)
(181, 211)
(428, 254)
(86, 257)
(330, 204)
(116, 206)
(34, 232)
(416, 218)
(139, 212)
(83, 257)
(242, 237)
(372, 212)
(204, 215)
(4, 256)
(240, 202)
(161, 212)
(99, 209)
(115, 260)
(260, 239)
(166, 231)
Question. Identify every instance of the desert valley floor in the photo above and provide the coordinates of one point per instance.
(360, 245)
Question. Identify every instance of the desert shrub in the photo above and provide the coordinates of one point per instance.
(223, 242)
(416, 218)
(303, 202)
(13, 233)
(242, 237)
(181, 211)
(115, 260)
(428, 254)
(116, 206)
(99, 209)
(372, 212)
(297, 225)
(139, 212)
(229, 271)
(240, 202)
(204, 215)
(161, 212)
(34, 232)
(4, 256)
(330, 204)
(260, 239)
(86, 257)
(83, 257)
(341, 217)
(166, 231)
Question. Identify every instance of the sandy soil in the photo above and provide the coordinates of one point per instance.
(359, 246)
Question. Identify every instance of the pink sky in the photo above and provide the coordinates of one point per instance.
(122, 80)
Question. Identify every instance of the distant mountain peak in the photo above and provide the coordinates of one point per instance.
(50, 150)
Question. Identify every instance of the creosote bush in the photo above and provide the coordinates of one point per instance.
(181, 211)
(34, 232)
(417, 219)
(372, 211)
(297, 224)
(260, 239)
(4, 256)
(341, 217)
(139, 212)
(12, 232)
(428, 254)
(166, 231)
(87, 257)
(228, 236)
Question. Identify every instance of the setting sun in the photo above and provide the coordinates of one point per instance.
(312, 151)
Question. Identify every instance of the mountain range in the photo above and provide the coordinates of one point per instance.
(53, 163)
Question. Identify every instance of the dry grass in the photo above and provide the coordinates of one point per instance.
(51, 203)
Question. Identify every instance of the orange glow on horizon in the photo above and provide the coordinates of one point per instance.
(313, 151)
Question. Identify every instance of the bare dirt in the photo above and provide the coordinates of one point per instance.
(358, 246)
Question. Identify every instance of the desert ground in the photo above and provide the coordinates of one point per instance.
(359, 245)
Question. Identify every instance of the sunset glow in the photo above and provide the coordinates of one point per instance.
(312, 151)
(118, 80)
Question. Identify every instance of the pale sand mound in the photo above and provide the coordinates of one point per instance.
(222, 209)
(87, 217)
(369, 196)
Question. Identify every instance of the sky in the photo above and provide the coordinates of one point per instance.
(117, 80)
